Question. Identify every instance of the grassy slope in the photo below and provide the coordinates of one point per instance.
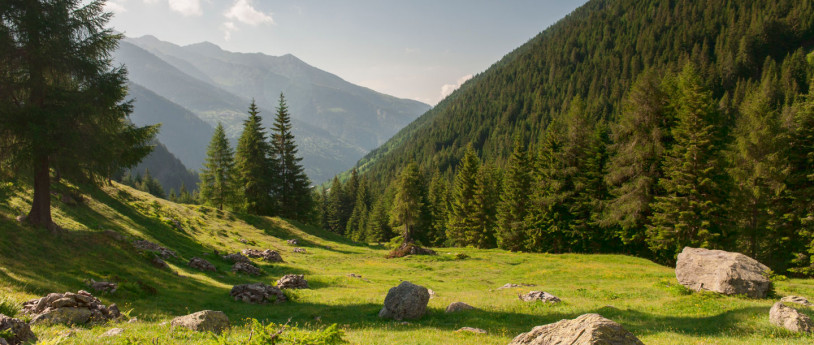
(640, 295)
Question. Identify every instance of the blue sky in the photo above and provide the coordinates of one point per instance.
(417, 49)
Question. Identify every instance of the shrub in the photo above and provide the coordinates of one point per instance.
(9, 307)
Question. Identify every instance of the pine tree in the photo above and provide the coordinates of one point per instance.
(253, 166)
(334, 210)
(408, 204)
(218, 175)
(61, 101)
(438, 206)
(357, 223)
(463, 210)
(378, 225)
(515, 202)
(486, 199)
(690, 213)
(801, 182)
(639, 143)
(546, 226)
(291, 187)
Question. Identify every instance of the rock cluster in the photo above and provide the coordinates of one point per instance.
(539, 296)
(299, 250)
(20, 331)
(405, 301)
(70, 308)
(103, 286)
(203, 321)
(293, 242)
(163, 252)
(236, 257)
(790, 319)
(797, 299)
(201, 264)
(511, 286)
(267, 255)
(257, 293)
(292, 281)
(247, 268)
(587, 329)
(458, 306)
(722, 272)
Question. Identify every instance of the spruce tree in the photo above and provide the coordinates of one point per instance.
(514, 202)
(408, 204)
(378, 224)
(218, 174)
(254, 168)
(357, 223)
(335, 206)
(438, 206)
(61, 101)
(801, 182)
(690, 213)
(464, 208)
(291, 186)
(486, 198)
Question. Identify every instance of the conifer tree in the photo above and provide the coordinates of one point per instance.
(514, 202)
(335, 205)
(254, 168)
(486, 198)
(690, 213)
(438, 206)
(378, 225)
(218, 175)
(357, 223)
(464, 208)
(801, 182)
(408, 204)
(291, 186)
(546, 227)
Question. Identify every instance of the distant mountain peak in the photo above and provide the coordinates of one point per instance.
(205, 46)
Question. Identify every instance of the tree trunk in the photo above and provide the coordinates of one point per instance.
(40, 214)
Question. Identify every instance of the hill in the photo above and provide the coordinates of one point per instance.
(637, 293)
(596, 53)
(170, 172)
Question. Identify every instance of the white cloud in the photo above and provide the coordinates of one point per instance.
(243, 11)
(115, 6)
(150, 2)
(185, 7)
(228, 28)
(447, 89)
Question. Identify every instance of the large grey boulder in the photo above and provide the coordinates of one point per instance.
(723, 272)
(790, 319)
(405, 301)
(292, 281)
(587, 329)
(19, 330)
(203, 321)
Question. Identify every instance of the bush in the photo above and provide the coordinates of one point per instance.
(9, 307)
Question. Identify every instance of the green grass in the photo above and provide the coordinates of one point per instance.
(637, 293)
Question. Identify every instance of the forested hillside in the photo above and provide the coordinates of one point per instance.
(629, 126)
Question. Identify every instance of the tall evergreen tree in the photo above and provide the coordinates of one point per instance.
(801, 181)
(292, 187)
(515, 201)
(690, 213)
(61, 102)
(464, 208)
(218, 174)
(408, 203)
(356, 228)
(545, 228)
(486, 199)
(255, 170)
(438, 206)
(335, 206)
(378, 224)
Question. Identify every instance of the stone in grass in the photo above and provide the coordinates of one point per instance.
(257, 293)
(201, 264)
(267, 255)
(797, 299)
(723, 272)
(458, 306)
(292, 281)
(511, 286)
(405, 301)
(587, 329)
(790, 319)
(299, 250)
(203, 321)
(112, 332)
(539, 296)
(236, 257)
(293, 242)
(18, 330)
(69, 308)
(471, 330)
(247, 268)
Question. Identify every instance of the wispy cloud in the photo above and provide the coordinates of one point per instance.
(228, 28)
(115, 6)
(184, 7)
(447, 89)
(243, 11)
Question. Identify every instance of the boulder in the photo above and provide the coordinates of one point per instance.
(247, 268)
(797, 299)
(20, 331)
(203, 321)
(405, 301)
(458, 306)
(69, 308)
(790, 319)
(103, 286)
(722, 272)
(539, 296)
(266, 255)
(145, 245)
(293, 242)
(299, 250)
(292, 281)
(236, 257)
(471, 330)
(201, 264)
(257, 293)
(587, 329)
(112, 332)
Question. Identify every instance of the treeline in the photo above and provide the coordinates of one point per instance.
(263, 176)
(679, 167)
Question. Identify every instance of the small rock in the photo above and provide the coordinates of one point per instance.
(145, 245)
(112, 332)
(539, 296)
(587, 329)
(21, 218)
(247, 268)
(266, 255)
(798, 300)
(236, 257)
(257, 293)
(790, 319)
(19, 331)
(511, 286)
(103, 286)
(405, 301)
(471, 330)
(201, 264)
(243, 240)
(299, 250)
(132, 320)
(431, 292)
(203, 321)
(458, 306)
(293, 242)
(292, 281)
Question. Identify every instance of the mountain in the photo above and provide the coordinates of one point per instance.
(596, 53)
(351, 113)
(167, 169)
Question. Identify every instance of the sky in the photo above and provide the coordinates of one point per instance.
(416, 49)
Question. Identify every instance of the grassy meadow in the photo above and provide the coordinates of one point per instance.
(642, 296)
